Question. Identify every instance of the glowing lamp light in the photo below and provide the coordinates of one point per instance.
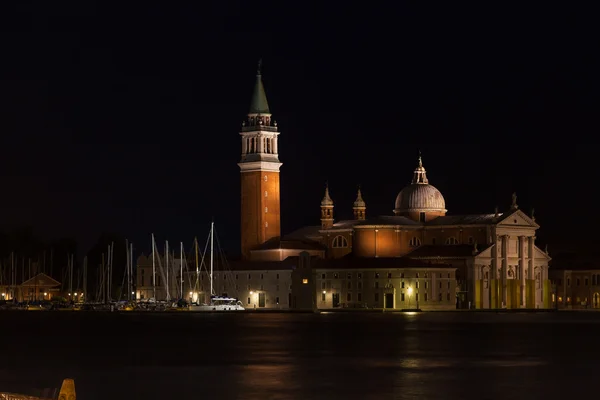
(132, 292)
(324, 292)
(191, 293)
(304, 281)
(75, 294)
(45, 294)
(3, 294)
(409, 290)
(251, 292)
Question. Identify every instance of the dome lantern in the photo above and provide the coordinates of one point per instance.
(420, 201)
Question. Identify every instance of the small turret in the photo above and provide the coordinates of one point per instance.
(326, 210)
(359, 207)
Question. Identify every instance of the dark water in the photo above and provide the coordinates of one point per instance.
(302, 356)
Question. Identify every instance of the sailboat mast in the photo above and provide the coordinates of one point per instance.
(167, 264)
(85, 293)
(212, 229)
(131, 267)
(153, 269)
(181, 269)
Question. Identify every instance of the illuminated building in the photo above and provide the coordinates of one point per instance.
(419, 255)
(575, 282)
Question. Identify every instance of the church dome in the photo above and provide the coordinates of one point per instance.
(420, 196)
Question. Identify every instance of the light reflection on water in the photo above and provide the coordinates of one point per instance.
(302, 356)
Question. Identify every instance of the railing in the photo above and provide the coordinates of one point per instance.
(252, 128)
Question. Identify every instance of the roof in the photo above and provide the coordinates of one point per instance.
(258, 104)
(290, 244)
(473, 219)
(388, 220)
(352, 262)
(303, 233)
(287, 264)
(420, 197)
(343, 224)
(41, 280)
(442, 251)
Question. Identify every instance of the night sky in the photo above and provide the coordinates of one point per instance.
(125, 117)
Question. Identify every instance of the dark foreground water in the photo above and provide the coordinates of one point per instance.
(302, 356)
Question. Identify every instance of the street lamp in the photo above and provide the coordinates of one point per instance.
(410, 290)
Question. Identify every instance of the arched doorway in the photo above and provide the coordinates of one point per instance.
(596, 300)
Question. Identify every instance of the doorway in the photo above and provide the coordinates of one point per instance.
(262, 299)
(335, 299)
(596, 303)
(389, 300)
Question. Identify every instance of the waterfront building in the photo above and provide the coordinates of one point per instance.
(420, 254)
(575, 282)
(37, 288)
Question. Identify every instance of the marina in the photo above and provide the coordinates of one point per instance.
(174, 286)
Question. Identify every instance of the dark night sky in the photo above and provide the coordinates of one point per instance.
(125, 117)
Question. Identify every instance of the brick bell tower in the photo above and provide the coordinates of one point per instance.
(259, 167)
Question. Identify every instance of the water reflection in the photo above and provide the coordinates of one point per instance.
(303, 356)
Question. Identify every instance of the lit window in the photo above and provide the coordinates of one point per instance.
(304, 281)
(339, 242)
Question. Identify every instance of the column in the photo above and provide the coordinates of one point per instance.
(261, 144)
(494, 275)
(504, 267)
(275, 145)
(522, 268)
(244, 145)
(530, 274)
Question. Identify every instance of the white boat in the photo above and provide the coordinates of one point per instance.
(217, 303)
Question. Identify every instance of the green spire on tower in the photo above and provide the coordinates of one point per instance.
(259, 103)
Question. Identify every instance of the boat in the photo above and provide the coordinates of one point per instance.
(217, 303)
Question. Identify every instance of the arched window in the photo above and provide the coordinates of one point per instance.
(339, 242)
(415, 242)
(451, 240)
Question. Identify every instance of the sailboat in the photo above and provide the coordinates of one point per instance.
(217, 303)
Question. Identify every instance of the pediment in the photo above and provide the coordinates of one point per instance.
(487, 253)
(517, 218)
(41, 280)
(539, 254)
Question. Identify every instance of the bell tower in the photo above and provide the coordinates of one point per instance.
(259, 167)
(326, 210)
(359, 207)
